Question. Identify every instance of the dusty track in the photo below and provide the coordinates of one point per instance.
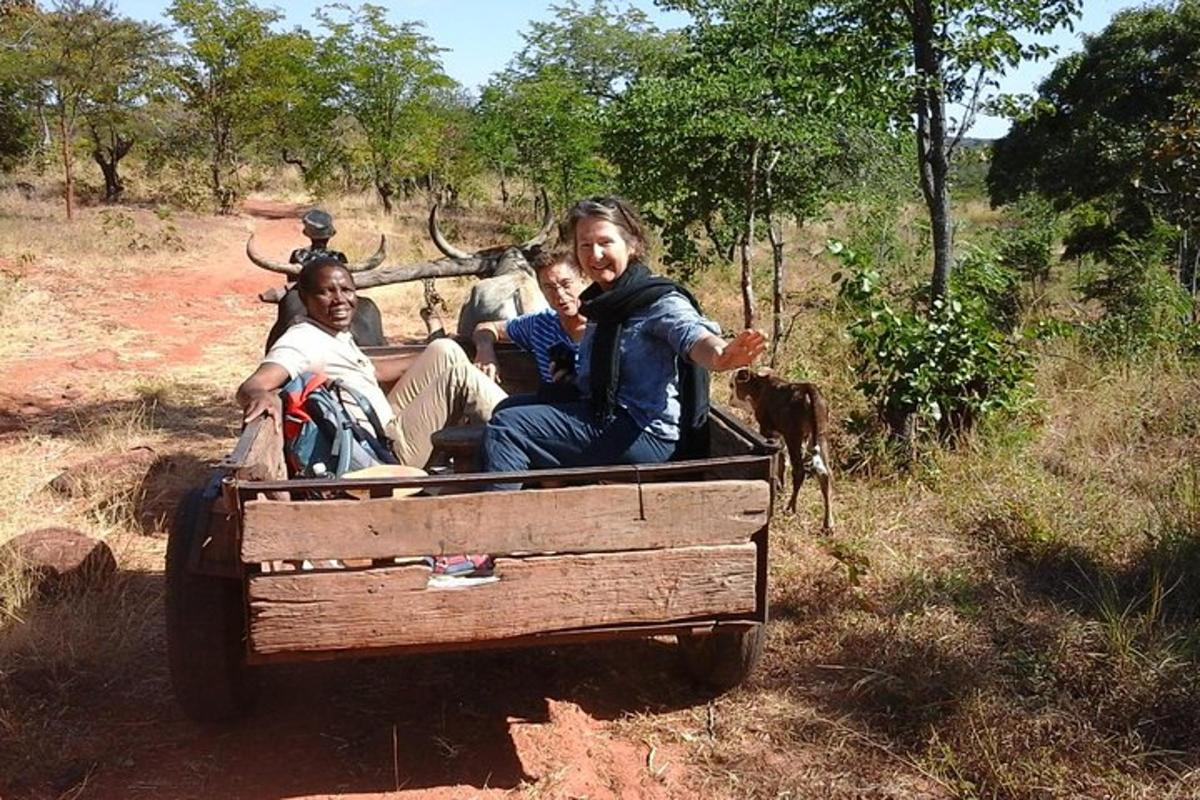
(535, 723)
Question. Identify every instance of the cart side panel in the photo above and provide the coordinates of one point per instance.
(343, 610)
(565, 520)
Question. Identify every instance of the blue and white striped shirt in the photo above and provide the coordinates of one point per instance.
(537, 333)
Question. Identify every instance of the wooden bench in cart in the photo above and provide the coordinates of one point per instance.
(258, 572)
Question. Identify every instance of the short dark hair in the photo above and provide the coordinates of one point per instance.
(546, 258)
(307, 279)
(609, 208)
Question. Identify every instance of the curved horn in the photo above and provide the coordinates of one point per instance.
(442, 268)
(266, 263)
(372, 262)
(539, 238)
(449, 250)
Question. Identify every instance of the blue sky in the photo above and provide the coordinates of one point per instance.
(480, 36)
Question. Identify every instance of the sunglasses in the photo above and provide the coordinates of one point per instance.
(605, 201)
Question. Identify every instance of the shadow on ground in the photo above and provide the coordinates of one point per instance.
(365, 726)
(208, 417)
(1066, 648)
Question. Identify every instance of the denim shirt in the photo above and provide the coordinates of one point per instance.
(648, 386)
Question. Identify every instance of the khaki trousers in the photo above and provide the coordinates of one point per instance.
(441, 387)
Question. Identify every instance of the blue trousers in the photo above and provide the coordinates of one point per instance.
(545, 435)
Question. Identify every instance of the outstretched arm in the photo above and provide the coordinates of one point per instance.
(256, 395)
(716, 354)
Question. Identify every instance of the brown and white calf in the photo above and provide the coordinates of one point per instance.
(797, 413)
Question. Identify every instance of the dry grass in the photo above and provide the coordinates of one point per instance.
(1014, 619)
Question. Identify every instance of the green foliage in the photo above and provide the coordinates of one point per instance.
(547, 125)
(600, 50)
(226, 60)
(950, 367)
(1027, 245)
(756, 97)
(543, 116)
(387, 80)
(1145, 309)
(17, 134)
(1109, 127)
(983, 279)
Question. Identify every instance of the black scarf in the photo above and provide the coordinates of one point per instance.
(635, 289)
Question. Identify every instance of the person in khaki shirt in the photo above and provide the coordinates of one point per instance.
(439, 388)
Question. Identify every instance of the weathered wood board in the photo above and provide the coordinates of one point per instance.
(563, 520)
(391, 607)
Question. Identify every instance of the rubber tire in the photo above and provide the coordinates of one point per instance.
(723, 659)
(206, 624)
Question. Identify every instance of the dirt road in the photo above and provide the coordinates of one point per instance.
(536, 724)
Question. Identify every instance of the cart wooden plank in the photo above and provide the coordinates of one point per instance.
(565, 520)
(390, 607)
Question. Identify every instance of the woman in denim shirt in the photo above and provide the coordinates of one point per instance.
(643, 334)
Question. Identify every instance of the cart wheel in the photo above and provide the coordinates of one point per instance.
(723, 659)
(205, 626)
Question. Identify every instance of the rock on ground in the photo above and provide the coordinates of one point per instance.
(61, 559)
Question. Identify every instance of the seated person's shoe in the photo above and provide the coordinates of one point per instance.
(466, 565)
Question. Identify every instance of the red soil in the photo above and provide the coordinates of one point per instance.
(430, 728)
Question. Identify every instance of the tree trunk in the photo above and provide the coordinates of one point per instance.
(748, 236)
(108, 157)
(385, 191)
(66, 155)
(47, 139)
(932, 159)
(296, 162)
(775, 235)
(112, 181)
(724, 249)
(503, 188)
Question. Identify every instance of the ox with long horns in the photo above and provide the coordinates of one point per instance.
(508, 287)
(367, 327)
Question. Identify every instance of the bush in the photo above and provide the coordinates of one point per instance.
(1028, 246)
(947, 368)
(1145, 308)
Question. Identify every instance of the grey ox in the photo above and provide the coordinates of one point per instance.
(508, 286)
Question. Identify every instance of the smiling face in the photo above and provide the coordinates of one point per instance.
(330, 299)
(561, 283)
(602, 250)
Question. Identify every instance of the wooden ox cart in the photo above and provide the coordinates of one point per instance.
(611, 552)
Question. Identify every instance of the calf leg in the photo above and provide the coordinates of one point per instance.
(796, 456)
(824, 478)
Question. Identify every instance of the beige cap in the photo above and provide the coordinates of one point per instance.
(386, 471)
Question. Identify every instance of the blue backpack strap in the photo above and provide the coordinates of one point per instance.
(378, 442)
(364, 404)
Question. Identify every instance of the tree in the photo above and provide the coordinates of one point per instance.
(294, 120)
(543, 115)
(602, 49)
(386, 78)
(1112, 131)
(952, 51)
(224, 63)
(550, 123)
(17, 137)
(79, 57)
(748, 121)
(115, 111)
(494, 136)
